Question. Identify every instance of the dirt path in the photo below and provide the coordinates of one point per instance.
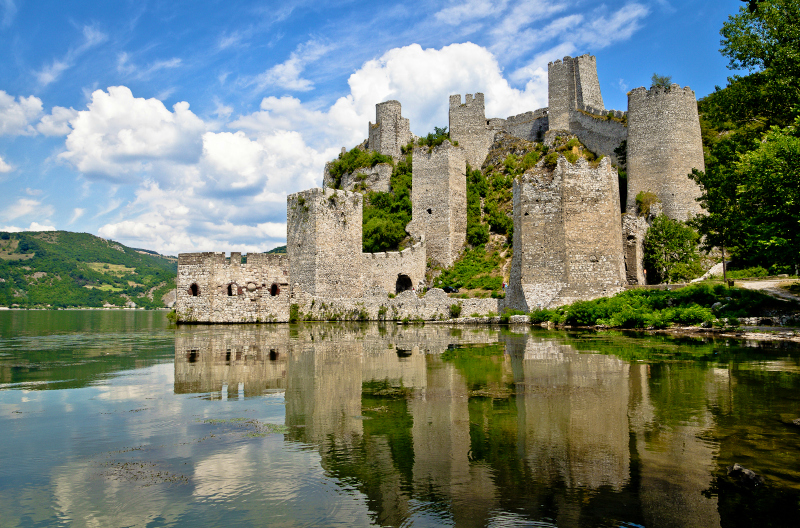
(771, 287)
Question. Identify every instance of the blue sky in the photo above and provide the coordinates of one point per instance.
(182, 125)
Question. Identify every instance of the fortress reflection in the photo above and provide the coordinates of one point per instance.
(469, 423)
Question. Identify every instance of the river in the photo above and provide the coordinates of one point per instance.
(115, 418)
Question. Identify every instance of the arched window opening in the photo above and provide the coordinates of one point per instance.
(231, 290)
(274, 289)
(273, 354)
(194, 290)
(403, 283)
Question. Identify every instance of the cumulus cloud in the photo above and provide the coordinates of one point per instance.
(287, 75)
(57, 123)
(17, 115)
(120, 135)
(5, 167)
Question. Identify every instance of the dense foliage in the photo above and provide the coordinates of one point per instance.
(62, 269)
(476, 269)
(386, 214)
(353, 160)
(750, 190)
(644, 308)
(670, 251)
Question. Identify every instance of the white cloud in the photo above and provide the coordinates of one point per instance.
(125, 67)
(5, 167)
(287, 74)
(77, 213)
(461, 12)
(35, 226)
(26, 207)
(57, 123)
(17, 115)
(119, 135)
(33, 192)
(50, 73)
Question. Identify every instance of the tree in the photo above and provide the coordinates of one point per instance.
(670, 251)
(662, 81)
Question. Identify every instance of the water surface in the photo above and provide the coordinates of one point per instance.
(113, 418)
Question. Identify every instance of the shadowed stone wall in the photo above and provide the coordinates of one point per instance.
(439, 201)
(469, 128)
(664, 145)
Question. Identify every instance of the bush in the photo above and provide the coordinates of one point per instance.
(455, 310)
(551, 160)
(477, 234)
(671, 251)
(353, 160)
(644, 200)
(294, 313)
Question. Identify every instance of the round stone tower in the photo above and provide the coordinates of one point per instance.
(664, 145)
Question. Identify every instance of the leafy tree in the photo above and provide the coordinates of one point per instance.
(662, 81)
(435, 138)
(670, 251)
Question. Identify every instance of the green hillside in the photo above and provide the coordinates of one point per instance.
(63, 269)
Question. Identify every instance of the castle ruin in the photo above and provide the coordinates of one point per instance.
(570, 241)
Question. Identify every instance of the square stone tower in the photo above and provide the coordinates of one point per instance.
(439, 201)
(567, 236)
(390, 131)
(570, 84)
(323, 242)
(469, 128)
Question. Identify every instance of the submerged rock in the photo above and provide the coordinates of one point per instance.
(744, 476)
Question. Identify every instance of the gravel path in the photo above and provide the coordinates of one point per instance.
(770, 287)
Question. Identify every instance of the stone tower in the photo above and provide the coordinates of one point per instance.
(468, 127)
(439, 201)
(390, 131)
(323, 242)
(567, 236)
(664, 145)
(570, 84)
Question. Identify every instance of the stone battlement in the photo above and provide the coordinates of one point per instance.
(599, 112)
(673, 90)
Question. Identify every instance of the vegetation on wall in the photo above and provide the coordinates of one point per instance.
(63, 269)
(353, 160)
(671, 251)
(386, 214)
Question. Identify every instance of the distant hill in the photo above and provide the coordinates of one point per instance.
(279, 249)
(63, 269)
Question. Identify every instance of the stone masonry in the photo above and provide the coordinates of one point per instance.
(571, 83)
(468, 127)
(439, 201)
(570, 241)
(664, 145)
(213, 289)
(567, 235)
(390, 131)
(377, 178)
(323, 242)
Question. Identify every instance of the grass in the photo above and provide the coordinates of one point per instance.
(103, 287)
(110, 269)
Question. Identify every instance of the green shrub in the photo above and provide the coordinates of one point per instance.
(434, 139)
(671, 251)
(455, 310)
(644, 200)
(294, 313)
(353, 160)
(551, 160)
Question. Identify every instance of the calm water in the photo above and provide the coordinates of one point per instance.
(116, 419)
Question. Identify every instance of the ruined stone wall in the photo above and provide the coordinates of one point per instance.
(323, 242)
(567, 236)
(375, 305)
(587, 86)
(439, 201)
(664, 145)
(571, 83)
(383, 269)
(600, 135)
(390, 131)
(229, 291)
(469, 128)
(377, 178)
(528, 125)
(634, 229)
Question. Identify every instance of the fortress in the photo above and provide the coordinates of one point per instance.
(571, 240)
